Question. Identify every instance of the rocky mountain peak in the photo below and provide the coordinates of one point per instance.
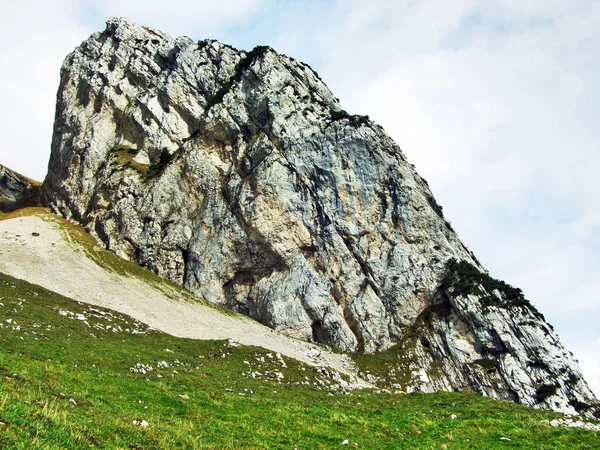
(17, 191)
(239, 176)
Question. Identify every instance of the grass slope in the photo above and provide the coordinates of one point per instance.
(66, 381)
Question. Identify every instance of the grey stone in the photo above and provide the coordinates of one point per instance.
(17, 191)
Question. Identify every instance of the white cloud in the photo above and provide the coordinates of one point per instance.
(34, 39)
(523, 11)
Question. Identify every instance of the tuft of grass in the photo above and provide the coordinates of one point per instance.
(355, 120)
(28, 211)
(123, 157)
(544, 391)
(67, 382)
(462, 278)
(485, 363)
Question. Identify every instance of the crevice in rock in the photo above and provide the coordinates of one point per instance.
(319, 334)
(394, 191)
(244, 64)
(365, 268)
(354, 326)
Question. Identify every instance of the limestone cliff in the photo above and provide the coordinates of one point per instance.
(238, 175)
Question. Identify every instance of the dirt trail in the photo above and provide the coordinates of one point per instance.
(33, 248)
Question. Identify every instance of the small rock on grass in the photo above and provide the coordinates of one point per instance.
(141, 423)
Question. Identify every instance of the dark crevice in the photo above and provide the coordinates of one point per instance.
(192, 260)
(244, 64)
(394, 190)
(319, 334)
(168, 61)
(354, 326)
(83, 92)
(101, 233)
(435, 206)
(365, 268)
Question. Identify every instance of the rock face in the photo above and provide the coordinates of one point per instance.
(238, 175)
(17, 191)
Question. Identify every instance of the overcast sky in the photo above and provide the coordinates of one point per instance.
(496, 102)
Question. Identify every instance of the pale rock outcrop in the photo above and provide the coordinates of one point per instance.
(238, 175)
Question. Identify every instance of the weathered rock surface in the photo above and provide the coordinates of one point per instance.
(17, 191)
(39, 250)
(238, 175)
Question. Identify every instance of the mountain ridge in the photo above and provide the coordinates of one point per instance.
(239, 176)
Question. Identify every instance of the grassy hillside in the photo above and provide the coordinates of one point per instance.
(71, 376)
